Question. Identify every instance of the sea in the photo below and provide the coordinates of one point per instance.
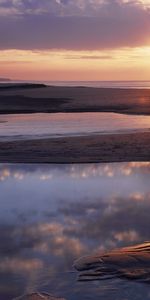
(103, 84)
(97, 84)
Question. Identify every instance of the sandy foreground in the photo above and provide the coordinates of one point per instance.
(104, 148)
(100, 148)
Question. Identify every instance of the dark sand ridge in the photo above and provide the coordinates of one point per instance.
(14, 86)
(102, 148)
(74, 99)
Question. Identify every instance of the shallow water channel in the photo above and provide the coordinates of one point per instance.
(46, 125)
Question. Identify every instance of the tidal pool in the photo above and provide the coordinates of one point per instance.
(51, 215)
(52, 125)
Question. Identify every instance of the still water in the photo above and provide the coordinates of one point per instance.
(103, 84)
(51, 215)
(46, 125)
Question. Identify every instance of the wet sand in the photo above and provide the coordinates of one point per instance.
(99, 148)
(131, 263)
(74, 99)
(37, 296)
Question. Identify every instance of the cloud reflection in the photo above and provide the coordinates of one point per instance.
(57, 213)
(47, 172)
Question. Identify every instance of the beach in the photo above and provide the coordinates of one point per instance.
(78, 149)
(29, 99)
(101, 148)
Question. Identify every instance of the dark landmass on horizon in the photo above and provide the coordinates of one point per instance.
(20, 86)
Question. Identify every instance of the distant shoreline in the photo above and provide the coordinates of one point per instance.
(6, 86)
(126, 84)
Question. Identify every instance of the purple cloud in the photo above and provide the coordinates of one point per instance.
(73, 25)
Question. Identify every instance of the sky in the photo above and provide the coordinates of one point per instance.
(75, 39)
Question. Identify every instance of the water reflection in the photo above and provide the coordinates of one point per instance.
(49, 125)
(51, 215)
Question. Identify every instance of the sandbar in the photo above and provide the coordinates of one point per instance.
(32, 99)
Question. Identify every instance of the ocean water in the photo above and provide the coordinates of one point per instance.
(51, 215)
(100, 84)
(103, 84)
(51, 125)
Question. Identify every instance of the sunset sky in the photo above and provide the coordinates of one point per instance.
(75, 39)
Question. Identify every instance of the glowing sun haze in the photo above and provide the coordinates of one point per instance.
(75, 40)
